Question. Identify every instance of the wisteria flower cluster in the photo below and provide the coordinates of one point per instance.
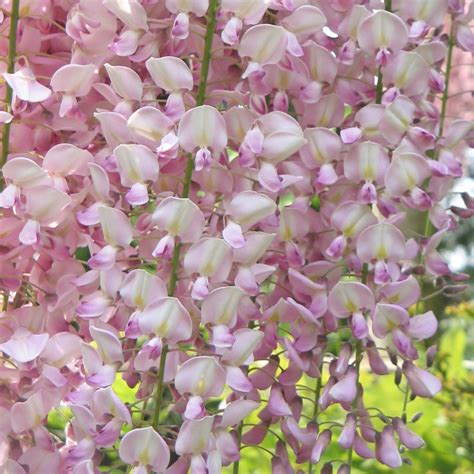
(211, 202)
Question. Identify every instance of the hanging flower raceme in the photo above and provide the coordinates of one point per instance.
(220, 224)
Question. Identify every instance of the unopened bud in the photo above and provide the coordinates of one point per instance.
(431, 355)
(454, 289)
(407, 461)
(384, 418)
(398, 376)
(416, 270)
(327, 468)
(461, 212)
(343, 469)
(419, 270)
(416, 417)
(460, 276)
(468, 200)
(393, 356)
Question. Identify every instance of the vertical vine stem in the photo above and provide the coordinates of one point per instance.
(235, 467)
(365, 267)
(447, 75)
(444, 103)
(200, 98)
(317, 393)
(15, 14)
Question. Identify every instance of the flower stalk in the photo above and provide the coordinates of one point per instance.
(200, 98)
(14, 17)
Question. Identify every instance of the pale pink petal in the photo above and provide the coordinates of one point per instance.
(203, 160)
(150, 123)
(381, 242)
(137, 195)
(170, 73)
(202, 127)
(221, 305)
(404, 293)
(61, 349)
(409, 73)
(231, 32)
(167, 318)
(125, 82)
(232, 234)
(65, 159)
(236, 411)
(93, 307)
(145, 446)
(246, 341)
(386, 449)
(422, 383)
(351, 218)
(222, 337)
(388, 317)
(108, 345)
(249, 207)
(305, 21)
(26, 87)
(140, 288)
(116, 227)
(406, 171)
(104, 259)
(180, 29)
(136, 164)
(74, 79)
(5, 117)
(268, 177)
(345, 390)
(30, 233)
(46, 204)
(277, 405)
(194, 435)
(209, 257)
(24, 172)
(24, 346)
(264, 44)
(131, 12)
(423, 326)
(382, 30)
(367, 161)
(201, 376)
(194, 409)
(29, 414)
(179, 217)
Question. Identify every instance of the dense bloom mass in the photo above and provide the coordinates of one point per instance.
(226, 209)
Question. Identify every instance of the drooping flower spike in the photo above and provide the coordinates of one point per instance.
(211, 210)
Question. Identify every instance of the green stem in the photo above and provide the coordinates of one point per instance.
(358, 360)
(235, 467)
(379, 90)
(427, 228)
(15, 14)
(159, 388)
(317, 393)
(200, 98)
(447, 75)
(405, 403)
